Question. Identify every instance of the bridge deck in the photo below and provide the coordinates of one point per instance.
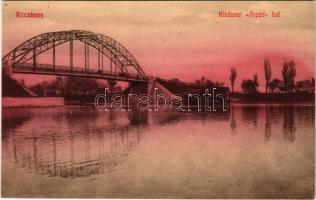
(46, 69)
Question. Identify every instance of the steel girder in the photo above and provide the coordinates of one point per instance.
(112, 49)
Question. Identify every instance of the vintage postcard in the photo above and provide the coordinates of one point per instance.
(158, 99)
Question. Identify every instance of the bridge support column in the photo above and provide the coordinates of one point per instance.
(86, 56)
(111, 84)
(111, 65)
(138, 88)
(150, 89)
(34, 59)
(99, 64)
(54, 55)
(115, 72)
(14, 56)
(102, 61)
(7, 69)
(71, 54)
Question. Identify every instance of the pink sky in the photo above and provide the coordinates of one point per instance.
(185, 40)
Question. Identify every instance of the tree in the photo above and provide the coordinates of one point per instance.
(255, 83)
(250, 86)
(232, 78)
(204, 82)
(68, 86)
(285, 75)
(58, 86)
(267, 72)
(246, 86)
(289, 73)
(292, 74)
(81, 86)
(274, 84)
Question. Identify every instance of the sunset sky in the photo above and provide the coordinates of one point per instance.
(184, 40)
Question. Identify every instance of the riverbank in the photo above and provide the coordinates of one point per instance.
(273, 98)
(89, 100)
(12, 102)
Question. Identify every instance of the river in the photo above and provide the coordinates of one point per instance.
(251, 151)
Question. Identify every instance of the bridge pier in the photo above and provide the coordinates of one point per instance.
(138, 88)
(152, 89)
(7, 70)
(112, 84)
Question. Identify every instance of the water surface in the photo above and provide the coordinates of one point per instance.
(252, 151)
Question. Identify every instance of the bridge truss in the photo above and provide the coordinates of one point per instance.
(121, 60)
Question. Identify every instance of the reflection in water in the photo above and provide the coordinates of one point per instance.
(171, 118)
(289, 123)
(12, 120)
(84, 146)
(267, 130)
(233, 124)
(162, 149)
(79, 149)
(250, 114)
(138, 119)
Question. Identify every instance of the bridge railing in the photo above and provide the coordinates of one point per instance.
(79, 70)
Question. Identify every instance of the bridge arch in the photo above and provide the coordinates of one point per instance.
(113, 50)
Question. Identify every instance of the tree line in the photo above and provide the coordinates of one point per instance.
(69, 86)
(287, 85)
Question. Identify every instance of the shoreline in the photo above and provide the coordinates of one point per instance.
(88, 101)
(250, 103)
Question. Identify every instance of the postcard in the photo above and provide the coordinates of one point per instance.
(158, 99)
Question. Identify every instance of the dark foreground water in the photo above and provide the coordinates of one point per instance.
(252, 151)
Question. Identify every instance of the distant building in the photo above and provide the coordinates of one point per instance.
(280, 88)
(305, 86)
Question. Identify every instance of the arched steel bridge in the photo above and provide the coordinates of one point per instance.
(23, 59)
